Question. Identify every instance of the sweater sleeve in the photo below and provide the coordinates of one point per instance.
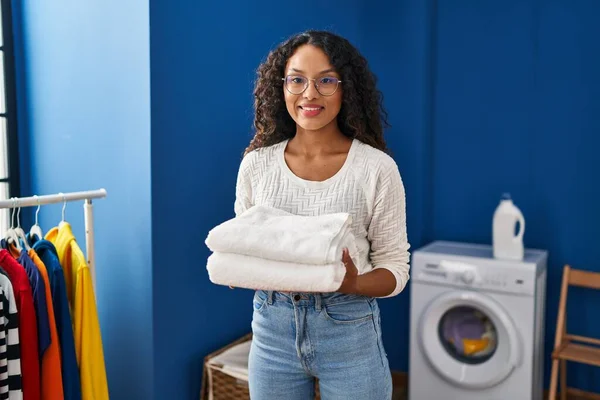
(243, 186)
(387, 229)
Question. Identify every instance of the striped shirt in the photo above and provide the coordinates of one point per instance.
(10, 352)
(28, 340)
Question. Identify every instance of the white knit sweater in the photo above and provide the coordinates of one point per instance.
(368, 187)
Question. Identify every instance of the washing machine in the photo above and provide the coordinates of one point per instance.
(476, 324)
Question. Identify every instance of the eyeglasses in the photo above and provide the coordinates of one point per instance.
(297, 84)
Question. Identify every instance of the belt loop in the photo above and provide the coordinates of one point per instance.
(270, 297)
(318, 301)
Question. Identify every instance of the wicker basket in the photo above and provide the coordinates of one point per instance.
(227, 387)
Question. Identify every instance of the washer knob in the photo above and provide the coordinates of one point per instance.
(468, 276)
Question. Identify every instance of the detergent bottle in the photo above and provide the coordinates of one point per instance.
(508, 245)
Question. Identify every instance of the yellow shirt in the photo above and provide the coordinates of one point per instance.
(86, 327)
(52, 388)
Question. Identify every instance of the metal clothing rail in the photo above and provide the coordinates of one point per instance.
(34, 201)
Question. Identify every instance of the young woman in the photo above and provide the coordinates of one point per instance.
(319, 149)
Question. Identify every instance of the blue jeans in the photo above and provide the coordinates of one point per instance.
(331, 336)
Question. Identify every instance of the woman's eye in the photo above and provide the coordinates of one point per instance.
(328, 80)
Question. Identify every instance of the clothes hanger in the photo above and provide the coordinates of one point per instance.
(62, 221)
(11, 235)
(36, 229)
(20, 232)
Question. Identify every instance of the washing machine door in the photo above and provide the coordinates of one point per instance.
(469, 339)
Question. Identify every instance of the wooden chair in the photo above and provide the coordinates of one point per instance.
(565, 346)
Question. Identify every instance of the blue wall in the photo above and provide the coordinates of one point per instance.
(517, 98)
(483, 98)
(84, 96)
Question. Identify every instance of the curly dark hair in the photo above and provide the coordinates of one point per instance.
(361, 116)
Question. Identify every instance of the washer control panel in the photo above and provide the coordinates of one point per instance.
(473, 266)
(471, 275)
(475, 275)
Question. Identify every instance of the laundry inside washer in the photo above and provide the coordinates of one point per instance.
(468, 334)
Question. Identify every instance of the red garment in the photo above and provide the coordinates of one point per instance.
(28, 335)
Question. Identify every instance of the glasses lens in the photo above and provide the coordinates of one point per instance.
(296, 84)
(327, 85)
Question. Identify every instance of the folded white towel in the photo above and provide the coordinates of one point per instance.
(273, 234)
(249, 272)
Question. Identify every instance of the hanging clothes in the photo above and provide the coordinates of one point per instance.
(28, 338)
(11, 386)
(51, 385)
(39, 300)
(80, 292)
(64, 326)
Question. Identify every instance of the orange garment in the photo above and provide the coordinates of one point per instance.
(51, 370)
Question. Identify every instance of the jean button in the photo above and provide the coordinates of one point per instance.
(297, 297)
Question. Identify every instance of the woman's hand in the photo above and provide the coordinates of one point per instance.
(350, 279)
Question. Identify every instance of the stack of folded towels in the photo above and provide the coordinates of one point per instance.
(270, 249)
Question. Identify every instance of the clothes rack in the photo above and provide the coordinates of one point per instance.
(87, 196)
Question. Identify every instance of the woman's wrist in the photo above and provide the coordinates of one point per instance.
(376, 283)
(353, 285)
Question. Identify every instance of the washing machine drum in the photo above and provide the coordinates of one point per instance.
(468, 333)
(469, 339)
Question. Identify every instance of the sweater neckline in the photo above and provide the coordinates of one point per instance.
(315, 184)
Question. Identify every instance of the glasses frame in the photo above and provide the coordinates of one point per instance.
(284, 79)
